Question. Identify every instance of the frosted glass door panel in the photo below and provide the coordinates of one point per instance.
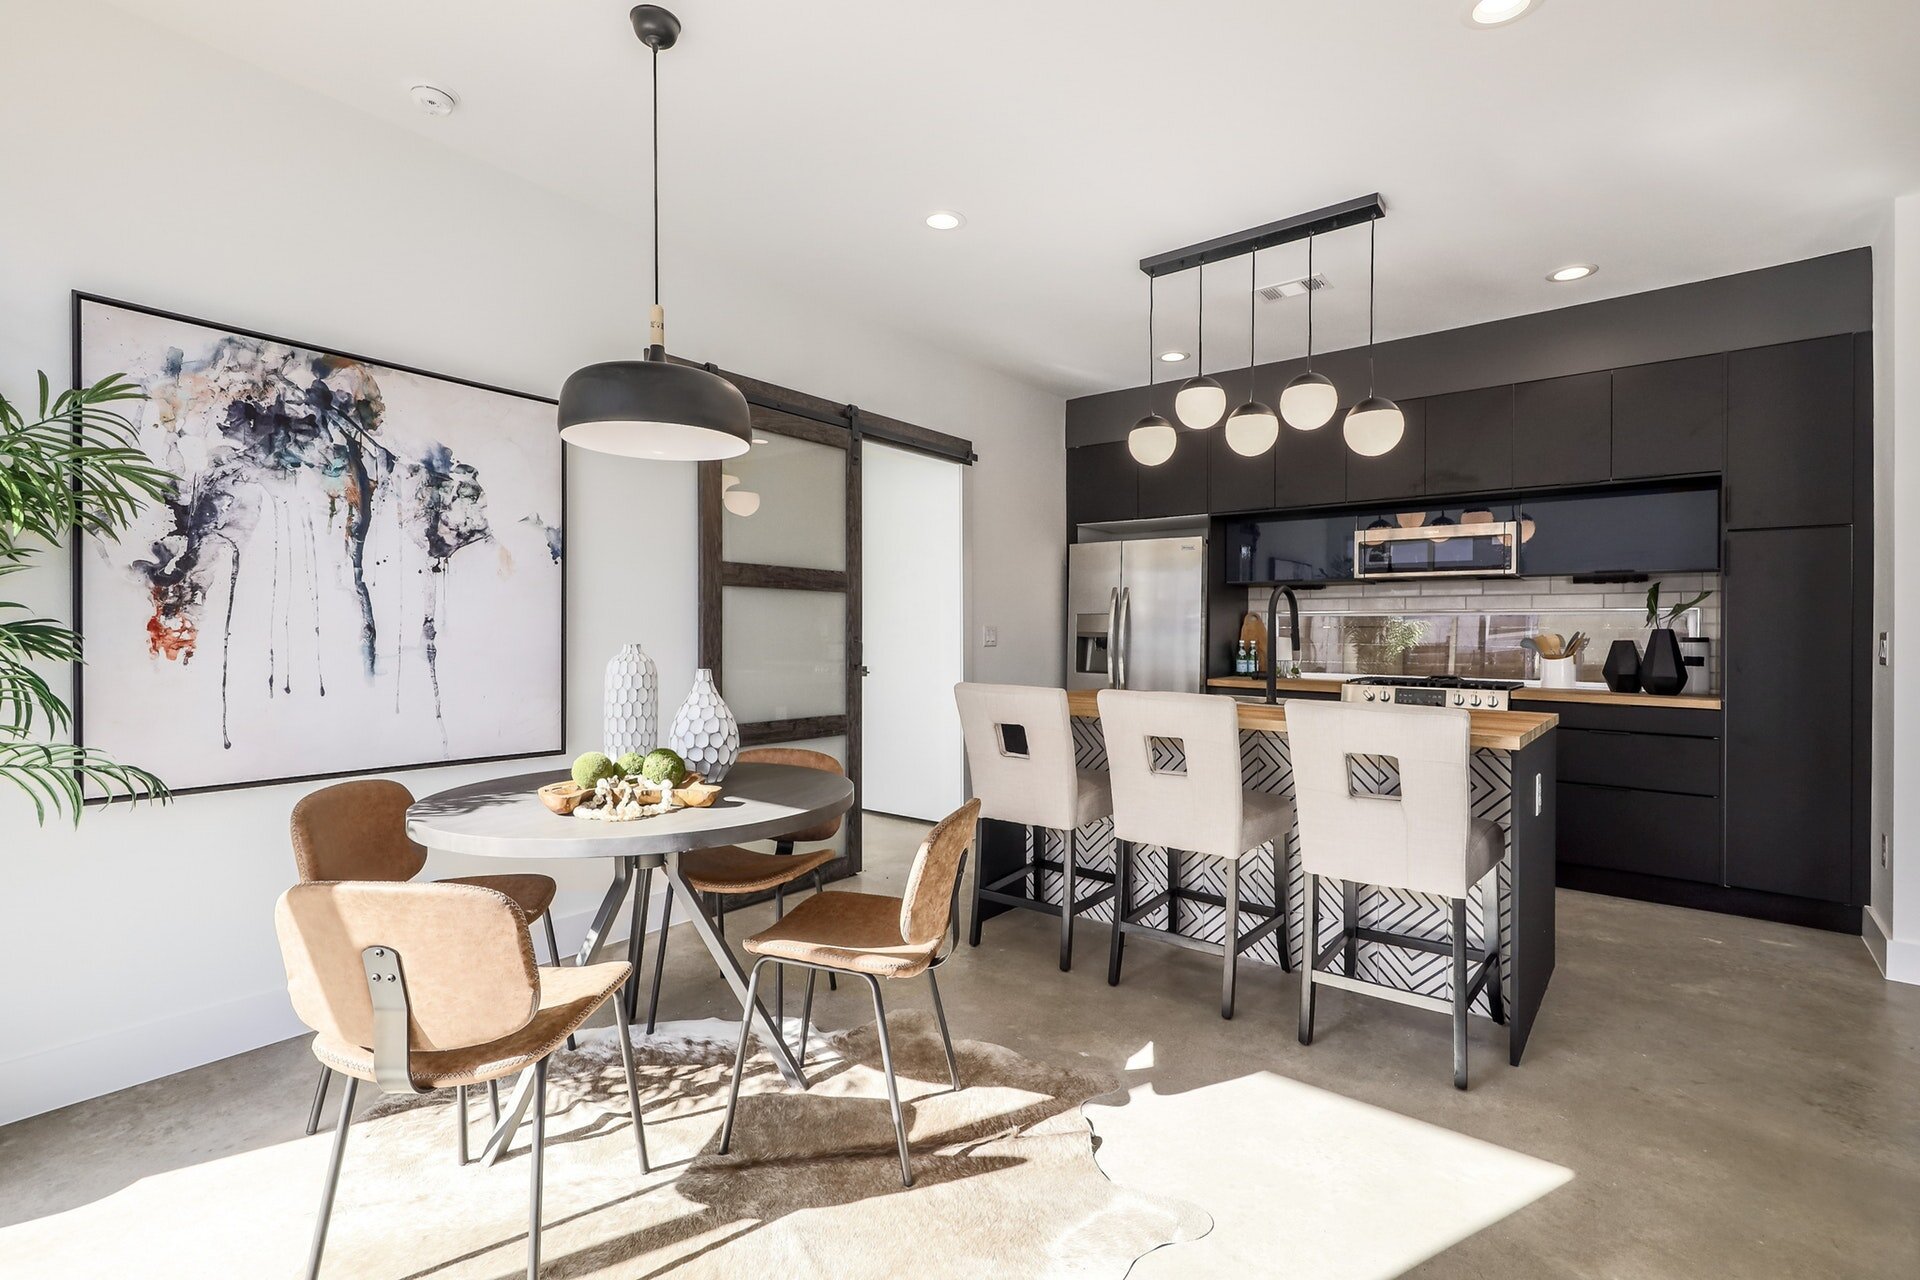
(785, 653)
(801, 519)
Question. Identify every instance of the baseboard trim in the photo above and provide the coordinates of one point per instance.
(122, 1056)
(1875, 938)
(1833, 917)
(1898, 958)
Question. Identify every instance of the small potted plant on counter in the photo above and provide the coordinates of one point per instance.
(1663, 670)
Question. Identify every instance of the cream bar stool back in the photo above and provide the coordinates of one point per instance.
(1175, 763)
(1424, 839)
(1020, 757)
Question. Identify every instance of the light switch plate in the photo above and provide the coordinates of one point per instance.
(1886, 648)
(989, 636)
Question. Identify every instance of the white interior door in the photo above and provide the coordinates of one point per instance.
(913, 595)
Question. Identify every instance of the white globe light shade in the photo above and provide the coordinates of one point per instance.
(1374, 426)
(741, 502)
(1199, 403)
(1309, 402)
(1252, 429)
(1151, 441)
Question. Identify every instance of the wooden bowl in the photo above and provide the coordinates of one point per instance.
(697, 795)
(563, 797)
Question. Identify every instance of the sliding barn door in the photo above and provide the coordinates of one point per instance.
(780, 589)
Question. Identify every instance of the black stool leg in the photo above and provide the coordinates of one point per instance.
(1066, 902)
(659, 961)
(1282, 890)
(1350, 915)
(979, 870)
(780, 971)
(319, 1100)
(1459, 992)
(1310, 944)
(1230, 962)
(637, 940)
(1122, 903)
(820, 887)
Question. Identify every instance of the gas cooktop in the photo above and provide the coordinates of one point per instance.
(1430, 691)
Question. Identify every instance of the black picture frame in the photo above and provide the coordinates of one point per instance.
(78, 557)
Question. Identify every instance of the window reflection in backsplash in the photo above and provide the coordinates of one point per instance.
(1474, 629)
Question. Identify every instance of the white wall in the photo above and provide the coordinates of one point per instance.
(1893, 918)
(145, 167)
(913, 635)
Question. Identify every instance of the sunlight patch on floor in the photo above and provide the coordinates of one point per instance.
(1308, 1181)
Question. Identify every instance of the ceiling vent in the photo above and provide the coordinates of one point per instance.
(1296, 288)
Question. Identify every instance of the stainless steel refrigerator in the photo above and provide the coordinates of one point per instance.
(1137, 614)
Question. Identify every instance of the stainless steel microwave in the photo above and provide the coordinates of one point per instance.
(1490, 549)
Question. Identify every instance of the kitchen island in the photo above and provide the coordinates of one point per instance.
(1514, 777)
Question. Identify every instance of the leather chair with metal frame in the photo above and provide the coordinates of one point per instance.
(1421, 839)
(1019, 743)
(358, 831)
(731, 872)
(871, 936)
(416, 987)
(1200, 807)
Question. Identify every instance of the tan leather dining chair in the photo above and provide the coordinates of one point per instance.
(729, 871)
(358, 831)
(870, 936)
(416, 987)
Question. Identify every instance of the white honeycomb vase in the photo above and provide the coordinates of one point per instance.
(704, 731)
(632, 716)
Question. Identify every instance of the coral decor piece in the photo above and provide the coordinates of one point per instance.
(704, 731)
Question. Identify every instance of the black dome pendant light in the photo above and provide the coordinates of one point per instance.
(1252, 428)
(652, 408)
(1200, 401)
(1310, 400)
(1375, 425)
(1152, 439)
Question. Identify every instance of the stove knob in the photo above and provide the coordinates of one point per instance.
(1474, 701)
(1459, 699)
(1371, 695)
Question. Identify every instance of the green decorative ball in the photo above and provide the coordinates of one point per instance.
(629, 764)
(665, 767)
(592, 767)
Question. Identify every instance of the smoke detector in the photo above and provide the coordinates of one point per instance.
(1291, 288)
(434, 100)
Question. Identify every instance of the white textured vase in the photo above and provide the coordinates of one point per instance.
(704, 731)
(632, 716)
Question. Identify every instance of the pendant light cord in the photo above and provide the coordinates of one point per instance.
(1200, 345)
(1373, 223)
(656, 175)
(1310, 292)
(1151, 282)
(1253, 318)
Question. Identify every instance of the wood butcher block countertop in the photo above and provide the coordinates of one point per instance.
(1497, 730)
(1531, 693)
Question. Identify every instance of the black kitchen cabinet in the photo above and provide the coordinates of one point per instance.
(1790, 711)
(1790, 434)
(1311, 466)
(1563, 431)
(1290, 549)
(1669, 419)
(1178, 486)
(1102, 484)
(1645, 832)
(1470, 441)
(1237, 483)
(1637, 530)
(1401, 472)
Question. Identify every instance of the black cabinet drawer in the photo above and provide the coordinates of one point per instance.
(1686, 722)
(1642, 761)
(1646, 832)
(1102, 484)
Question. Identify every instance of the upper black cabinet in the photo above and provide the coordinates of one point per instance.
(1311, 466)
(1401, 472)
(1291, 549)
(1622, 530)
(1790, 434)
(1470, 441)
(1178, 486)
(1563, 431)
(1669, 419)
(1236, 483)
(1102, 484)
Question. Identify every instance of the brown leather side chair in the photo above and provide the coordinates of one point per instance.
(730, 871)
(416, 987)
(358, 831)
(871, 936)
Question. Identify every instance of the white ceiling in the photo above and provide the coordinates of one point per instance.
(1666, 140)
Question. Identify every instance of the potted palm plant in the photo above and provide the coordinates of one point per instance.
(73, 466)
(1663, 670)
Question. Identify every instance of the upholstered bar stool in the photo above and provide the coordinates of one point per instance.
(358, 831)
(1175, 763)
(1020, 757)
(1424, 839)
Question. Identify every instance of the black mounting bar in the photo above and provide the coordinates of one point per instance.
(1348, 213)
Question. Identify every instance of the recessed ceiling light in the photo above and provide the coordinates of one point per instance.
(1574, 271)
(945, 220)
(1496, 13)
(1173, 357)
(434, 100)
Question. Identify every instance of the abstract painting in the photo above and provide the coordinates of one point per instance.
(361, 570)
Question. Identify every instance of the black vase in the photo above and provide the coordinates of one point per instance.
(1623, 667)
(1663, 670)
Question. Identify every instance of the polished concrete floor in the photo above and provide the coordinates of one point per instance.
(1703, 1096)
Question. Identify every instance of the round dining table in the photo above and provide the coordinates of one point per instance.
(504, 818)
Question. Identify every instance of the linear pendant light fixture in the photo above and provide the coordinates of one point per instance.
(1200, 401)
(1309, 402)
(1153, 438)
(1253, 427)
(651, 407)
(1375, 425)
